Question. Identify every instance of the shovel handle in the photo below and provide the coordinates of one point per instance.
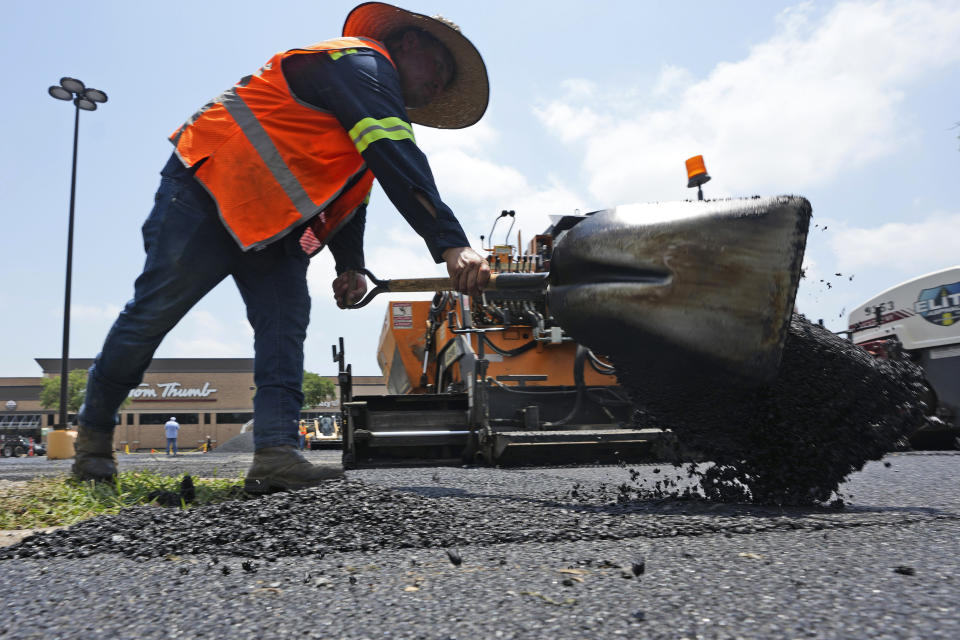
(498, 281)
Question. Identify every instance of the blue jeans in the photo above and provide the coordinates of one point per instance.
(189, 252)
(171, 446)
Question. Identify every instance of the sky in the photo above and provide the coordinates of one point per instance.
(853, 105)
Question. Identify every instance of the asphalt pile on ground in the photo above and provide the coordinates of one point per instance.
(349, 515)
(832, 407)
(240, 443)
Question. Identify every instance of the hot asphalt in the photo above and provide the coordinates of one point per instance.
(543, 553)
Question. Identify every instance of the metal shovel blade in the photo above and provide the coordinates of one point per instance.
(703, 289)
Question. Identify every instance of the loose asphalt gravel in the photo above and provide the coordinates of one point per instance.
(544, 553)
(831, 407)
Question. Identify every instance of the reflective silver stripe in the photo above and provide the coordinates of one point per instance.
(269, 153)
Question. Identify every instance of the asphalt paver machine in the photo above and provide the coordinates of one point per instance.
(521, 374)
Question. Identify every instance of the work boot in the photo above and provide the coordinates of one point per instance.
(284, 469)
(94, 458)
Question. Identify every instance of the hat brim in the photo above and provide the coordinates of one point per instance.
(462, 103)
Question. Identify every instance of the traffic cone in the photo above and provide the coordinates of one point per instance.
(30, 453)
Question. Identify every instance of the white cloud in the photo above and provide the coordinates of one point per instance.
(477, 187)
(847, 265)
(671, 79)
(910, 248)
(817, 98)
(206, 334)
(474, 138)
(94, 313)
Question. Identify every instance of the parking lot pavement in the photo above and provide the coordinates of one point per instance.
(884, 567)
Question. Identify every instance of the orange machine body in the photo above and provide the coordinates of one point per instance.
(403, 341)
(407, 328)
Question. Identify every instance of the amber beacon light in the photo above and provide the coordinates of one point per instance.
(697, 175)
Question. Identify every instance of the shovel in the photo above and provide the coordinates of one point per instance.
(703, 289)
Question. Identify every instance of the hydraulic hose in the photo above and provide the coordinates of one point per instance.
(509, 352)
(578, 364)
(599, 366)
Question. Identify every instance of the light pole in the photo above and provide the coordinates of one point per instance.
(86, 99)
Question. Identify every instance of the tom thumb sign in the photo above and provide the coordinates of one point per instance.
(171, 392)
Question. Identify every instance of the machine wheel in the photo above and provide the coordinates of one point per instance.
(19, 451)
(7, 451)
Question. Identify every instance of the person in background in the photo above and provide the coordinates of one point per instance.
(173, 429)
(303, 435)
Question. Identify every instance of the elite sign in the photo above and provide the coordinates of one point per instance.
(940, 305)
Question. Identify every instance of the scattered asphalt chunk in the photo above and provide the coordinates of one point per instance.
(225, 570)
(454, 556)
(248, 566)
(164, 498)
(187, 491)
(639, 568)
(905, 570)
(639, 616)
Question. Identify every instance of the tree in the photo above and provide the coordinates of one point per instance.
(316, 389)
(76, 388)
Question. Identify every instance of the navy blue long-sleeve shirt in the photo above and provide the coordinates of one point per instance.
(359, 84)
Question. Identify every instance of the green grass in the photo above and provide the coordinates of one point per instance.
(58, 501)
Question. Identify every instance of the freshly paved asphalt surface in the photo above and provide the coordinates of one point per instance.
(887, 566)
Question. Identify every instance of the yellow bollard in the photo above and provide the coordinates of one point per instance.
(60, 444)
(126, 449)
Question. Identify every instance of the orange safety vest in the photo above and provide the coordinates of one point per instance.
(271, 162)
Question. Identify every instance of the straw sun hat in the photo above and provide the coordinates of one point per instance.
(464, 101)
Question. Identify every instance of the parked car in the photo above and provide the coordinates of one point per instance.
(16, 446)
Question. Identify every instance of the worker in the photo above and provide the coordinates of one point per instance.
(303, 435)
(172, 431)
(266, 175)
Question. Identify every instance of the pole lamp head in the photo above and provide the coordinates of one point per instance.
(72, 85)
(83, 97)
(60, 93)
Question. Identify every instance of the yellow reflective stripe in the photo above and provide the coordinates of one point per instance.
(367, 199)
(336, 55)
(369, 130)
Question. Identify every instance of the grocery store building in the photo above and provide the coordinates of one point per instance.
(210, 397)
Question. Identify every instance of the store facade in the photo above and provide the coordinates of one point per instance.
(210, 398)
